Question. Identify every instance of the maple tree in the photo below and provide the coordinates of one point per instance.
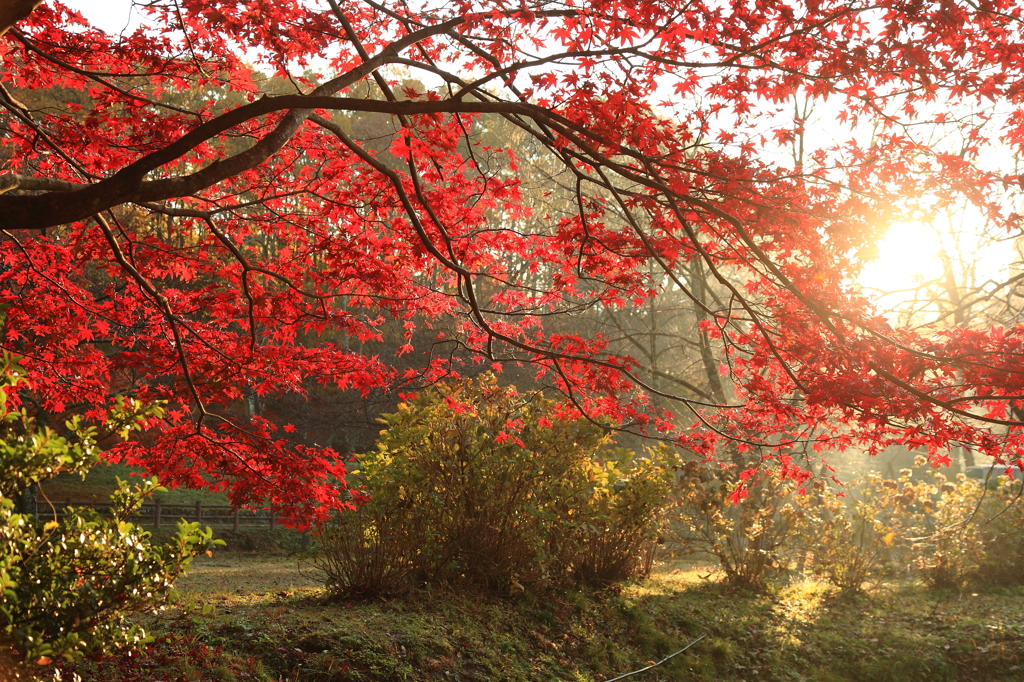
(172, 232)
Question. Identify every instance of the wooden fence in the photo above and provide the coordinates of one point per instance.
(158, 514)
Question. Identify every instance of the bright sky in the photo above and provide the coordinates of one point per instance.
(910, 255)
(907, 256)
(113, 16)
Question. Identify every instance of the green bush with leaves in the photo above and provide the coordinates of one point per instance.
(65, 586)
(473, 483)
(748, 538)
(612, 538)
(949, 531)
(945, 544)
(922, 523)
(853, 538)
(1002, 510)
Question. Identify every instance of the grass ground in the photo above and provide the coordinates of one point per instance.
(261, 618)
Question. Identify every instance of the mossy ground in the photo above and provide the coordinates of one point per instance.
(259, 617)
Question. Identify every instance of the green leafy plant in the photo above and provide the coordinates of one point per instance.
(66, 585)
(747, 538)
(949, 531)
(615, 542)
(474, 483)
(999, 531)
(946, 545)
(852, 538)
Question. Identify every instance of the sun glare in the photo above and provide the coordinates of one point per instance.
(910, 271)
(908, 256)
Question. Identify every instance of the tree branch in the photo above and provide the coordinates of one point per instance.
(13, 11)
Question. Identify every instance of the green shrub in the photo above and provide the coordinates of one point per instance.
(472, 483)
(65, 586)
(948, 531)
(1001, 536)
(747, 538)
(852, 539)
(368, 552)
(946, 546)
(614, 542)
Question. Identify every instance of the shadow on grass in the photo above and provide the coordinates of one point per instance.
(258, 621)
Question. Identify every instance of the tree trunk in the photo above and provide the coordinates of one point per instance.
(13, 11)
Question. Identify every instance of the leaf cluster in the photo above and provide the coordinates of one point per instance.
(65, 586)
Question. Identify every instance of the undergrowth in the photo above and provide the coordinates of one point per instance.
(802, 632)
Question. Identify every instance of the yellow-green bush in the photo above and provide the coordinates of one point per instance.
(1000, 534)
(749, 538)
(853, 538)
(473, 483)
(945, 543)
(949, 531)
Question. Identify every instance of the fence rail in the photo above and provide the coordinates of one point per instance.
(159, 513)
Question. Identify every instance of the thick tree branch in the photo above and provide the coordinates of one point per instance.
(13, 11)
(12, 181)
(129, 184)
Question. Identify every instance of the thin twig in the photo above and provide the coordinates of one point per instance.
(655, 665)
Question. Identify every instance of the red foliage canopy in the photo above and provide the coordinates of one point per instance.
(173, 233)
